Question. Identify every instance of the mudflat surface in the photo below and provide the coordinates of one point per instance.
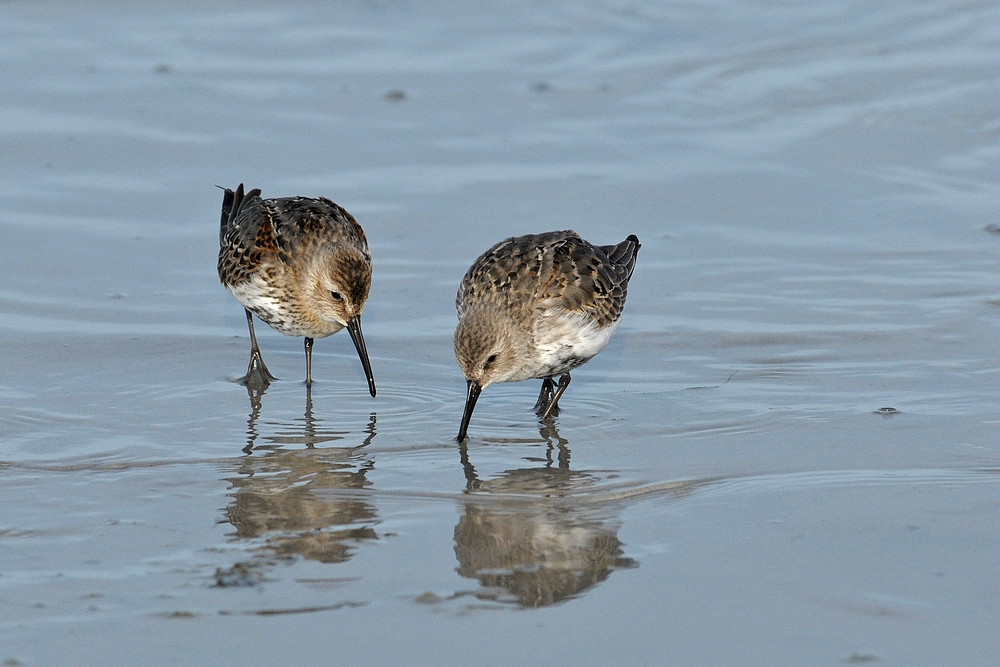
(787, 455)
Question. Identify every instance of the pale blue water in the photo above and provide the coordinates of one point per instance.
(811, 185)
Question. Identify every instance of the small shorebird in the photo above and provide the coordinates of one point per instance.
(538, 306)
(302, 265)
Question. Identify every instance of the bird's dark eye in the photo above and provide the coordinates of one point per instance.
(336, 296)
(489, 360)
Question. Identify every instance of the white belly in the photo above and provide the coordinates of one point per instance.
(273, 307)
(257, 297)
(564, 341)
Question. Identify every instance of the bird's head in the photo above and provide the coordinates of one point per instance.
(486, 347)
(337, 285)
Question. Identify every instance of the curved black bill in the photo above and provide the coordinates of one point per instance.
(354, 328)
(470, 405)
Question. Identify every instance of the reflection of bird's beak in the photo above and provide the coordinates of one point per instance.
(470, 404)
(354, 328)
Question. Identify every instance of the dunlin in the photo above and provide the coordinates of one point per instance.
(302, 265)
(538, 306)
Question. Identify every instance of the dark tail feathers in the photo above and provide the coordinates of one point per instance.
(623, 254)
(232, 204)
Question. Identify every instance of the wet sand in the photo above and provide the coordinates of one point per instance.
(812, 188)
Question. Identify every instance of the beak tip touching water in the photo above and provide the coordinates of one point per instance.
(354, 329)
(470, 404)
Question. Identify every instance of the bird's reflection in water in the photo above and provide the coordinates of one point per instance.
(529, 536)
(289, 495)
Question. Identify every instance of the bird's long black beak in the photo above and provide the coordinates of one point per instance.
(354, 328)
(470, 405)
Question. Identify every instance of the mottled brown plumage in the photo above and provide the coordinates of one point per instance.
(302, 265)
(538, 306)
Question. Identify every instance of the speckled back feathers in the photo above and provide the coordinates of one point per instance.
(552, 270)
(255, 231)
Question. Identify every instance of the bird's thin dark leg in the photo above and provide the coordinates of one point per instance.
(553, 408)
(544, 396)
(309, 362)
(257, 373)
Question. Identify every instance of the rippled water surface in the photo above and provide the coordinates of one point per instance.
(787, 455)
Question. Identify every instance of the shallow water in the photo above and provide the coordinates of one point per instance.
(812, 187)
